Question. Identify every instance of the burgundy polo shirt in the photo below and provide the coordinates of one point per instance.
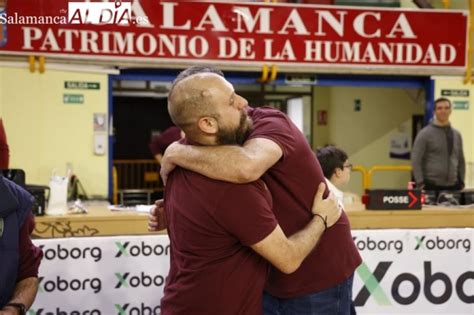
(211, 225)
(293, 182)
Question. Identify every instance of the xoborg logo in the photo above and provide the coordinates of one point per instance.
(371, 244)
(63, 253)
(58, 311)
(142, 249)
(143, 280)
(439, 243)
(137, 310)
(372, 286)
(60, 284)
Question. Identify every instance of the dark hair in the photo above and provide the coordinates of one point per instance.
(195, 70)
(441, 99)
(331, 158)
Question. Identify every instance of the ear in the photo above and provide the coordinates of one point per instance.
(338, 172)
(208, 125)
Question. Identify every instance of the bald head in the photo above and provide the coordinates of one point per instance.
(192, 98)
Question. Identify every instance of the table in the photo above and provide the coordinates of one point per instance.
(100, 221)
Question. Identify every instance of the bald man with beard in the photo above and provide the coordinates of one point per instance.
(223, 235)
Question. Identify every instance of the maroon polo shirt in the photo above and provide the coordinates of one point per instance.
(211, 224)
(293, 182)
(30, 255)
(159, 143)
(4, 152)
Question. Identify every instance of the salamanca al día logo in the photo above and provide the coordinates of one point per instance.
(118, 12)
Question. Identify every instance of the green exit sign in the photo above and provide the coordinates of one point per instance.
(73, 99)
(81, 85)
(461, 105)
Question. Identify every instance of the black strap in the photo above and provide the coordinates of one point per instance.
(450, 139)
(325, 220)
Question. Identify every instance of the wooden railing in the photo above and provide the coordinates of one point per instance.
(135, 176)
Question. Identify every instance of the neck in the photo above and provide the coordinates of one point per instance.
(441, 123)
(335, 181)
(205, 140)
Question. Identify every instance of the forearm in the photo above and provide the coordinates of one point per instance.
(287, 254)
(228, 163)
(303, 241)
(25, 292)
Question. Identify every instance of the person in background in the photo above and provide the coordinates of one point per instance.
(336, 169)
(159, 143)
(278, 152)
(437, 155)
(4, 151)
(19, 257)
(214, 225)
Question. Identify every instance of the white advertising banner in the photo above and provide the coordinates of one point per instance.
(403, 272)
(415, 272)
(102, 275)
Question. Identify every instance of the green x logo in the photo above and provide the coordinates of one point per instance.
(122, 249)
(372, 284)
(40, 287)
(122, 280)
(121, 309)
(419, 242)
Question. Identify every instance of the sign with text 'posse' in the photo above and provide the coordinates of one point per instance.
(403, 272)
(247, 33)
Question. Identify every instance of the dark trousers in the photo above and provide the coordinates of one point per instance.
(432, 186)
(436, 194)
(333, 301)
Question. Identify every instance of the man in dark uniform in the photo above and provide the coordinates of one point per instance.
(19, 257)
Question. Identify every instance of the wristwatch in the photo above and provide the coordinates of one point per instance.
(19, 306)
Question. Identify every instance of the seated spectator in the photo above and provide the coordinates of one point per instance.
(336, 169)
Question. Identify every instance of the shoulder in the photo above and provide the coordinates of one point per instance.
(456, 132)
(268, 114)
(23, 198)
(428, 129)
(274, 125)
(426, 132)
(249, 191)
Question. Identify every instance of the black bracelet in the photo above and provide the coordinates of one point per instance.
(325, 220)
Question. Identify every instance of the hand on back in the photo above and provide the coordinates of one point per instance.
(328, 208)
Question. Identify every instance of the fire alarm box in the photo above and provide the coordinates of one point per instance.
(322, 117)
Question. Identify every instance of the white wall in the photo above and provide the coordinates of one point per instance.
(365, 135)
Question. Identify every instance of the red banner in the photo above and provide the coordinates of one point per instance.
(244, 33)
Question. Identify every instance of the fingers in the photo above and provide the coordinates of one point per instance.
(320, 192)
(332, 195)
(160, 203)
(153, 211)
(157, 217)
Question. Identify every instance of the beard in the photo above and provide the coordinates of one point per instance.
(236, 136)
